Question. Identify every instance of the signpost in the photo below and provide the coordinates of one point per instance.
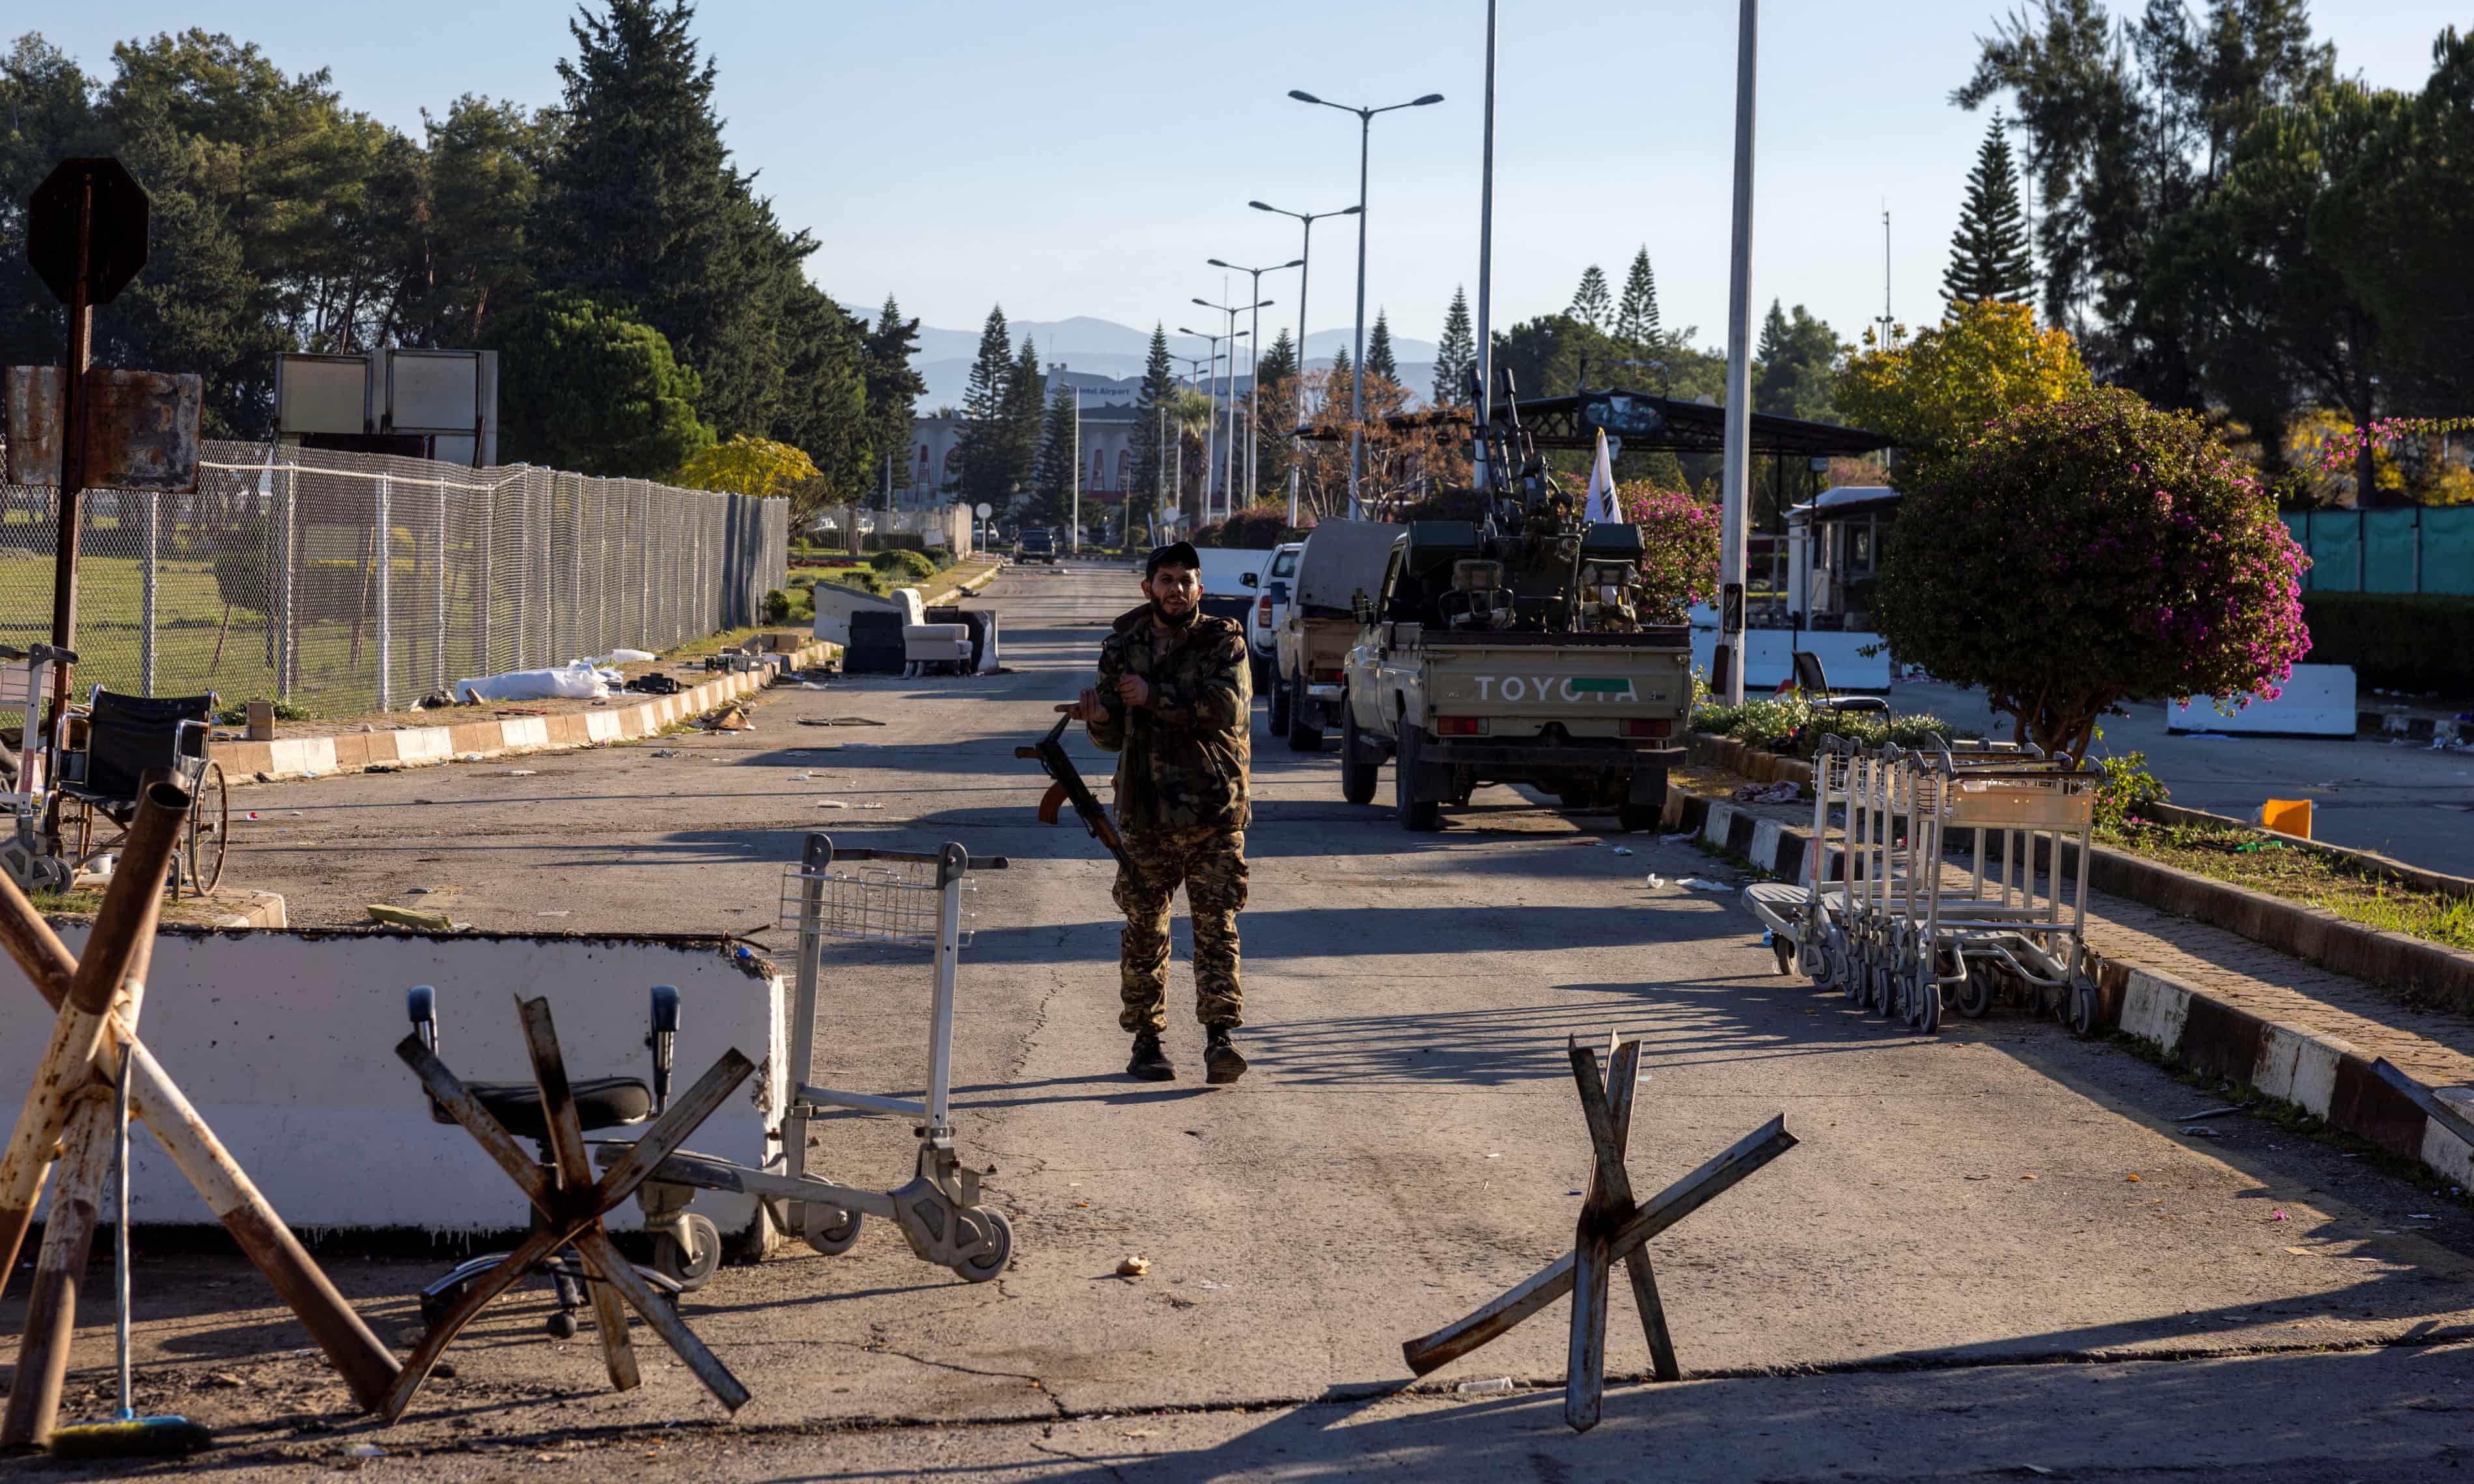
(85, 237)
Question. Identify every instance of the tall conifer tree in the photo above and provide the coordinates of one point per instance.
(1154, 426)
(1988, 253)
(1456, 354)
(1378, 350)
(1637, 317)
(1591, 304)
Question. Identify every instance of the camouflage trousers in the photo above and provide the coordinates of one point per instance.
(1211, 865)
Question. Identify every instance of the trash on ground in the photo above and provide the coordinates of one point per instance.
(560, 913)
(1492, 1386)
(522, 773)
(420, 891)
(1134, 1266)
(733, 718)
(1623, 850)
(410, 917)
(2211, 1113)
(833, 803)
(839, 721)
(2202, 1131)
(568, 682)
(1655, 879)
(1702, 884)
(1767, 793)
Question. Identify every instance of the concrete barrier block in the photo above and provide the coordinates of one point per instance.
(2156, 1009)
(285, 1040)
(1765, 845)
(1722, 818)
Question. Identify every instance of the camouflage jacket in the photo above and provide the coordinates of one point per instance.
(1181, 758)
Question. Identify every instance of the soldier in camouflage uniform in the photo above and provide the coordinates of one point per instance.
(1174, 704)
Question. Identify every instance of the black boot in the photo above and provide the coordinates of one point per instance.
(1219, 1057)
(1149, 1063)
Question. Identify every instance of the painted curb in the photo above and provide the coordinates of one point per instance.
(2322, 1074)
(414, 747)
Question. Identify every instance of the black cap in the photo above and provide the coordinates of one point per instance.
(1181, 552)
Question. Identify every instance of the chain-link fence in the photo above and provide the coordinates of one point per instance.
(347, 583)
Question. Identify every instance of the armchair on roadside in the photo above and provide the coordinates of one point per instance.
(1814, 683)
(102, 749)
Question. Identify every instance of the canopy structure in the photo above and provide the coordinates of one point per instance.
(1645, 425)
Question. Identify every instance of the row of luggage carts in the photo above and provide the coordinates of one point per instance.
(1943, 875)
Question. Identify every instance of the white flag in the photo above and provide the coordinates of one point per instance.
(1602, 484)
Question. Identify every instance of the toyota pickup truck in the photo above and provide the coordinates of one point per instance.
(1343, 559)
(1467, 670)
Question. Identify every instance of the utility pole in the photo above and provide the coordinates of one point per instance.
(1077, 506)
(1739, 372)
(1486, 259)
(1886, 320)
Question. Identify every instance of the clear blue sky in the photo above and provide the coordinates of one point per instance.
(1086, 160)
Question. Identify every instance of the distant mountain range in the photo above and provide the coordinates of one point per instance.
(1085, 344)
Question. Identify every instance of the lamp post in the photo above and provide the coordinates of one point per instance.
(1228, 465)
(1255, 365)
(1211, 438)
(1306, 252)
(1357, 366)
(1737, 465)
(1485, 408)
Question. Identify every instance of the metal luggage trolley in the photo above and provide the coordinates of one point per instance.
(905, 899)
(1997, 925)
(1808, 923)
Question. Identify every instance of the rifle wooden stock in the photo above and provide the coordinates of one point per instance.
(1051, 755)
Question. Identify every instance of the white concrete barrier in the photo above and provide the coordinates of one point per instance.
(1769, 654)
(2317, 702)
(285, 1042)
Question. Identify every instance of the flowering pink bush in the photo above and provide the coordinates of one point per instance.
(1681, 534)
(2088, 552)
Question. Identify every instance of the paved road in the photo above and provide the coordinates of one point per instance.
(2404, 800)
(1894, 1299)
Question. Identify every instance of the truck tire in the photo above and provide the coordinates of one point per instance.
(1305, 723)
(1417, 815)
(1258, 673)
(1357, 769)
(1280, 719)
(1577, 796)
(1639, 818)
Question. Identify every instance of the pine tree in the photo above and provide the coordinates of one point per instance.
(642, 207)
(1051, 481)
(1988, 253)
(987, 469)
(1275, 376)
(1152, 432)
(893, 388)
(1378, 350)
(1026, 414)
(1336, 390)
(1591, 302)
(1456, 354)
(1795, 371)
(1637, 320)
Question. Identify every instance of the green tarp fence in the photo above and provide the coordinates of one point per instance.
(2418, 550)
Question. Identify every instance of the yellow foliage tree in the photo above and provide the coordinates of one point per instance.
(747, 466)
(1934, 394)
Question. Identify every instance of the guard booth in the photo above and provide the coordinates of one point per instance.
(1790, 563)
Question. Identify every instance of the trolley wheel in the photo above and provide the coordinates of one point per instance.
(562, 1325)
(1358, 773)
(1782, 949)
(689, 1265)
(980, 1269)
(833, 1241)
(2082, 1008)
(1976, 995)
(210, 831)
(1924, 1001)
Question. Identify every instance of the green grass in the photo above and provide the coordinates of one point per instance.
(2250, 858)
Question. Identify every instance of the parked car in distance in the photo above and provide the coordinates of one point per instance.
(1230, 580)
(1278, 579)
(1035, 543)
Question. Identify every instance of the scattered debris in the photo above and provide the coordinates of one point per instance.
(408, 917)
(1655, 879)
(1492, 1386)
(1767, 792)
(2210, 1112)
(1623, 850)
(2202, 1131)
(1702, 884)
(832, 804)
(1134, 1266)
(522, 773)
(839, 721)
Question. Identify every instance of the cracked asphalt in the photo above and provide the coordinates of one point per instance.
(1994, 1252)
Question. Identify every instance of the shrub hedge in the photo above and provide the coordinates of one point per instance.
(2399, 640)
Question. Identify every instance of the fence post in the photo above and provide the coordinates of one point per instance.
(548, 593)
(386, 610)
(286, 647)
(489, 574)
(525, 572)
(150, 572)
(576, 642)
(438, 638)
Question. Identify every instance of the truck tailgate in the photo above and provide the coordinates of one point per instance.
(1555, 681)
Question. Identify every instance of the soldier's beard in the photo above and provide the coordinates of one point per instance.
(1184, 620)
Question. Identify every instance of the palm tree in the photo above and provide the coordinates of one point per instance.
(1190, 413)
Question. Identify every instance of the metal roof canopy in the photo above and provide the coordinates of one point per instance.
(1646, 425)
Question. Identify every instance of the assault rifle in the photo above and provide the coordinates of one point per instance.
(1069, 787)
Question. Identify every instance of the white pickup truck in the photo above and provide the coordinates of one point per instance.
(1456, 699)
(1342, 560)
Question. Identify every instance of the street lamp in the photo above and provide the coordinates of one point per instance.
(1229, 467)
(1211, 436)
(1306, 252)
(1357, 368)
(1254, 365)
